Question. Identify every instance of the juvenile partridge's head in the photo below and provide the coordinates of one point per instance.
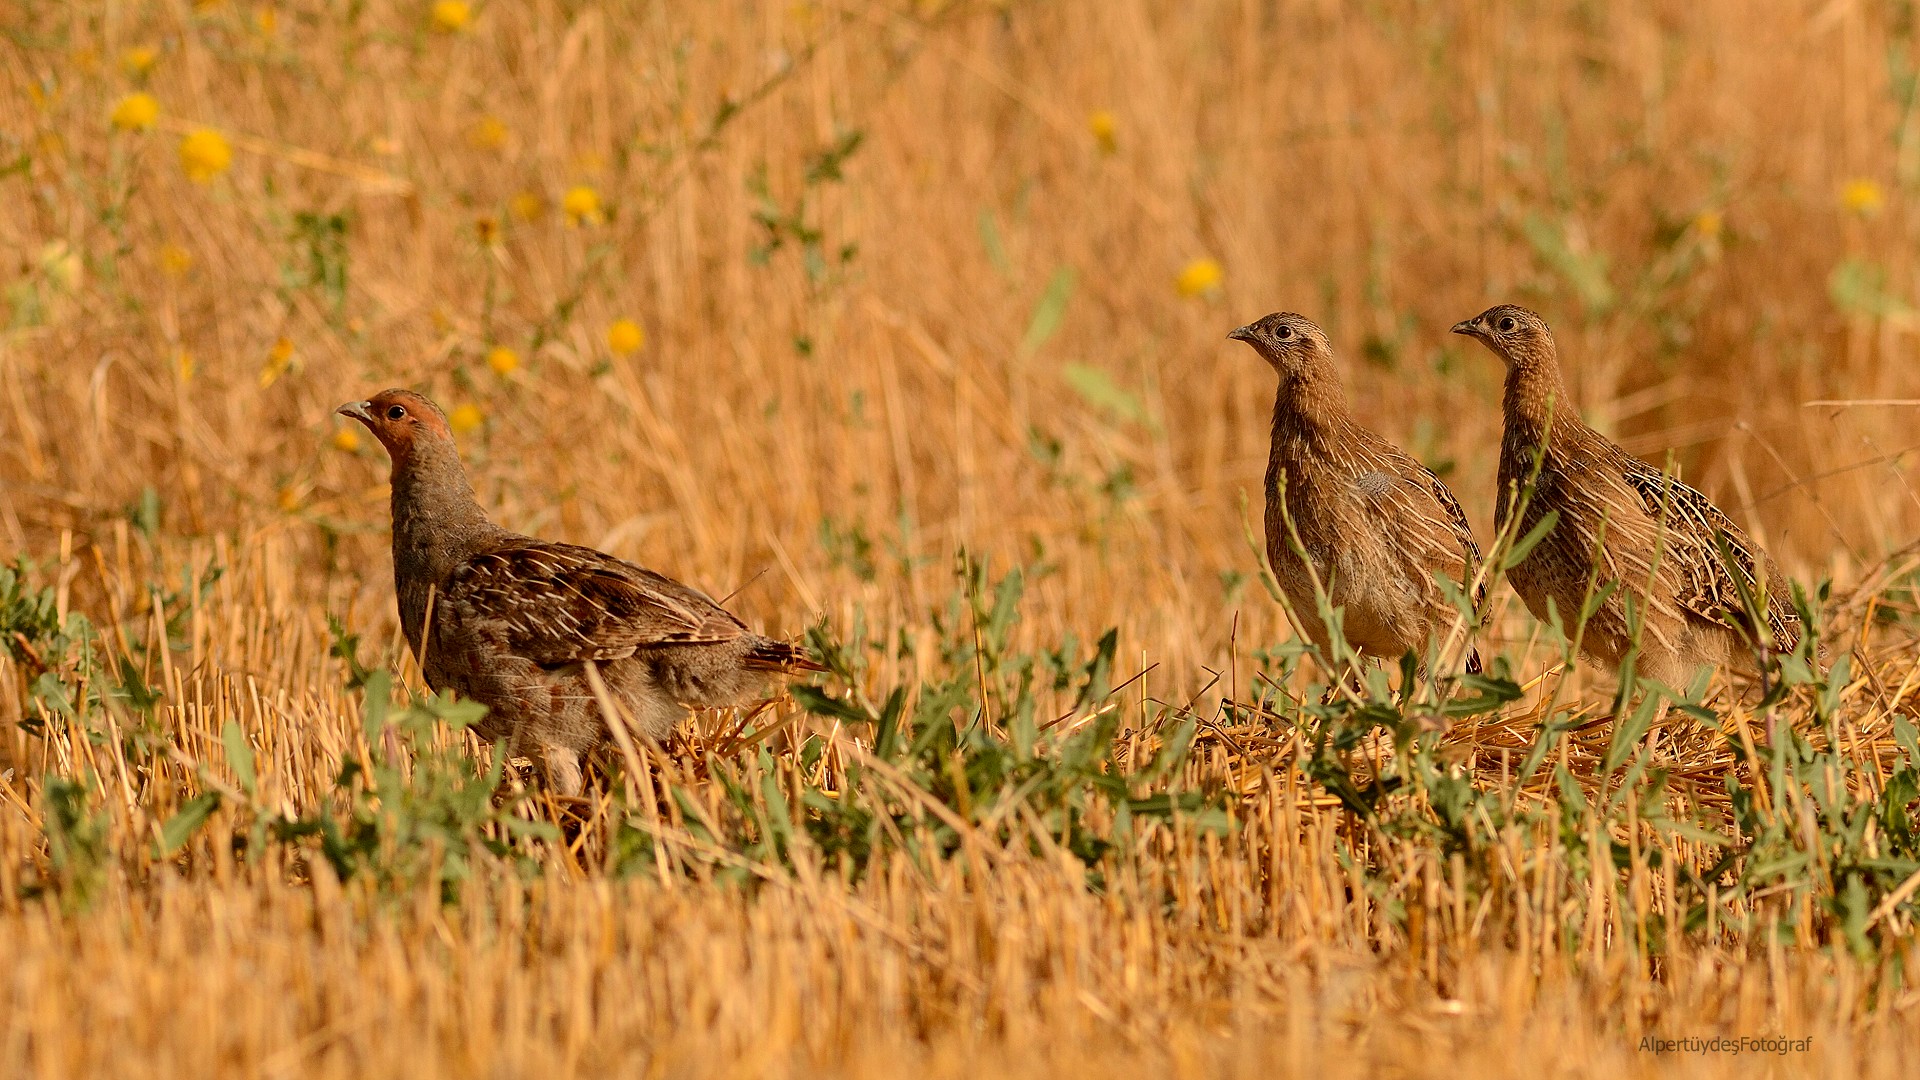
(1517, 336)
(1291, 343)
(403, 421)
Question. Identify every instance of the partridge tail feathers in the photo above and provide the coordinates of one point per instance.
(780, 656)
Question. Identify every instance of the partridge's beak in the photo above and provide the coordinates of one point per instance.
(1245, 333)
(358, 410)
(1467, 327)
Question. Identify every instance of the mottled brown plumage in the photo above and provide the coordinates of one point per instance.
(511, 621)
(1376, 525)
(1621, 520)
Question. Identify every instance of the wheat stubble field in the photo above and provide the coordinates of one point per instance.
(904, 323)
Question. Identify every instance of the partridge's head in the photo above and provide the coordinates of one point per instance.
(1515, 334)
(1291, 343)
(402, 420)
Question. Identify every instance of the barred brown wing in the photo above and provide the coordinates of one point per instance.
(559, 604)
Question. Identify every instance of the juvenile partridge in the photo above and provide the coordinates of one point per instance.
(1376, 526)
(1621, 522)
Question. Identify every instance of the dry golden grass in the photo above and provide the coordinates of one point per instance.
(1708, 200)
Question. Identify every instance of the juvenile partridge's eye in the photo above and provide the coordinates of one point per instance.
(1506, 325)
(1283, 333)
(397, 412)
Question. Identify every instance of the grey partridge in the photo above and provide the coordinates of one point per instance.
(1376, 526)
(1622, 525)
(512, 622)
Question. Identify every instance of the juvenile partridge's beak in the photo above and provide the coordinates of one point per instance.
(358, 410)
(1245, 333)
(1467, 327)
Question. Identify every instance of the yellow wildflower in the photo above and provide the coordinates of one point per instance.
(527, 206)
(175, 260)
(135, 112)
(503, 361)
(279, 362)
(62, 266)
(450, 16)
(1103, 126)
(1199, 277)
(1708, 224)
(625, 336)
(183, 363)
(267, 20)
(465, 418)
(288, 498)
(204, 154)
(1862, 196)
(488, 133)
(137, 60)
(582, 205)
(346, 440)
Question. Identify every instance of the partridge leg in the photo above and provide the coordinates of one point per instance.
(562, 768)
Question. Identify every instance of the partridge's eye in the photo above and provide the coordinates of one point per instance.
(1506, 325)
(1283, 333)
(397, 412)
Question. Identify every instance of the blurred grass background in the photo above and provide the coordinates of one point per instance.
(907, 278)
(796, 299)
